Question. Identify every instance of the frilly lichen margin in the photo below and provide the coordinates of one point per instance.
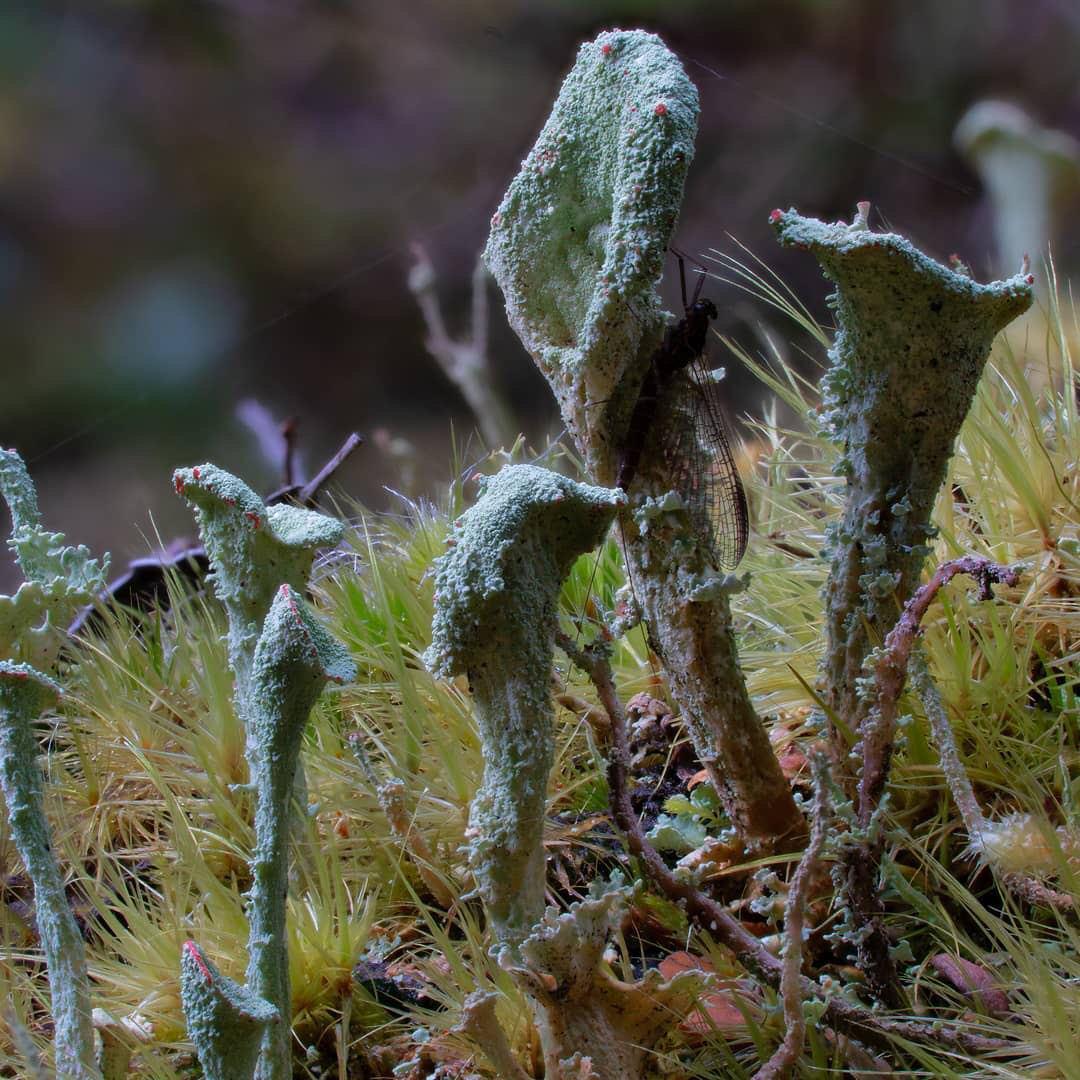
(497, 588)
(58, 581)
(578, 241)
(586, 1016)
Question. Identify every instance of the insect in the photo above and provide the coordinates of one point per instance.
(678, 406)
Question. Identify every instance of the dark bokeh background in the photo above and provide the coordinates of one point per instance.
(202, 202)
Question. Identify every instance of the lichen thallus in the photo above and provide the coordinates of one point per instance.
(678, 406)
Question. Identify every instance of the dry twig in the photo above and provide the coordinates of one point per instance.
(465, 362)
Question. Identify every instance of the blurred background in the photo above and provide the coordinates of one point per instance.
(203, 203)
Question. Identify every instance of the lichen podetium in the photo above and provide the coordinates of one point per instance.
(912, 339)
(58, 581)
(261, 557)
(577, 246)
(497, 591)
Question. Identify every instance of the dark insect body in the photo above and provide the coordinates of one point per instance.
(678, 398)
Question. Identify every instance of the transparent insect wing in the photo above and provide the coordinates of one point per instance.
(696, 447)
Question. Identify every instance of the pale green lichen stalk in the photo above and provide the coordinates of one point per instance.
(261, 557)
(913, 337)
(294, 660)
(58, 581)
(225, 1021)
(495, 618)
(24, 695)
(577, 246)
(579, 240)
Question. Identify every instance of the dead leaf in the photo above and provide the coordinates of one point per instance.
(716, 1008)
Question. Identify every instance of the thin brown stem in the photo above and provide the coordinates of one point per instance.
(308, 493)
(890, 671)
(787, 1053)
(877, 735)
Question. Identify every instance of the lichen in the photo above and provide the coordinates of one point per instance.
(580, 237)
(592, 1023)
(24, 694)
(58, 579)
(281, 656)
(226, 1021)
(253, 550)
(294, 660)
(495, 618)
(577, 246)
(912, 339)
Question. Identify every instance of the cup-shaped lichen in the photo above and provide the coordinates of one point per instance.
(912, 339)
(495, 619)
(577, 246)
(1027, 171)
(580, 237)
(253, 549)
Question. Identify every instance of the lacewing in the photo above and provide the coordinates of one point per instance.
(679, 408)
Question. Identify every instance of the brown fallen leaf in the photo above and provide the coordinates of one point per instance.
(698, 778)
(716, 1008)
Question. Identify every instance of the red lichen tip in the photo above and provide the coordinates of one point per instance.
(254, 518)
(606, 50)
(192, 950)
(178, 483)
(660, 109)
(195, 472)
(775, 216)
(1030, 279)
(287, 593)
